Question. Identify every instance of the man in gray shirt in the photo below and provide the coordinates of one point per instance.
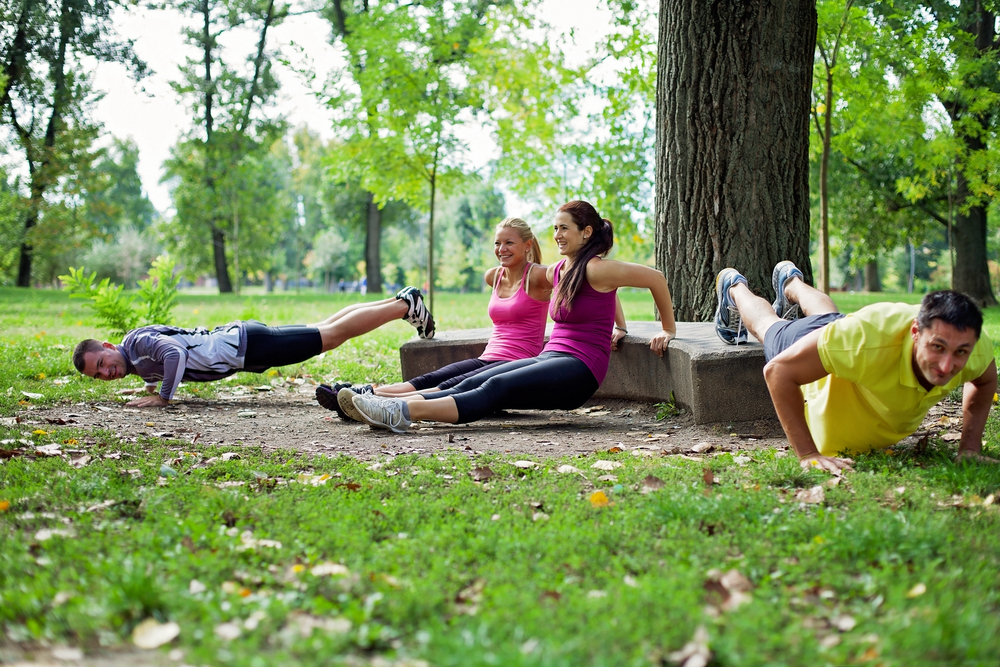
(167, 354)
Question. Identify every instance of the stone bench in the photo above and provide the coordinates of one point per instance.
(715, 382)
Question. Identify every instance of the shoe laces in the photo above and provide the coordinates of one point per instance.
(735, 322)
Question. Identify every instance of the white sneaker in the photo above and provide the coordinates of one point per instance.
(344, 400)
(382, 411)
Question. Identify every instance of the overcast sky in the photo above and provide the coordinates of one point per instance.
(153, 116)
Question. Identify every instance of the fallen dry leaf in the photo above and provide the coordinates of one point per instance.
(708, 477)
(916, 591)
(844, 623)
(599, 499)
(524, 464)
(812, 496)
(330, 569)
(566, 469)
(227, 631)
(67, 654)
(481, 474)
(153, 634)
(650, 484)
(695, 653)
(606, 465)
(613, 450)
(79, 461)
(701, 447)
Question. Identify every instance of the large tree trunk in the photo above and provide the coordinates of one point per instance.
(373, 246)
(732, 163)
(219, 254)
(971, 273)
(873, 283)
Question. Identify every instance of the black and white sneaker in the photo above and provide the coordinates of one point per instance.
(361, 388)
(416, 312)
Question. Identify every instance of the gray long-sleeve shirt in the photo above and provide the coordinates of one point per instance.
(165, 354)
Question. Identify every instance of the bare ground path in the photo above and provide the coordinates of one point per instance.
(290, 418)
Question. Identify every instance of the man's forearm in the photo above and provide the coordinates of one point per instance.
(976, 402)
(790, 406)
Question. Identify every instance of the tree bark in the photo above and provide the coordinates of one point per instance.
(732, 164)
(971, 273)
(873, 283)
(41, 177)
(373, 247)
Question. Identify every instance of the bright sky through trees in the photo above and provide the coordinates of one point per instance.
(151, 114)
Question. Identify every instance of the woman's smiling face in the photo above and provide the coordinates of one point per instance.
(508, 247)
(567, 235)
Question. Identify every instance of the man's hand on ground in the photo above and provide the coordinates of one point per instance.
(827, 463)
(154, 401)
(969, 455)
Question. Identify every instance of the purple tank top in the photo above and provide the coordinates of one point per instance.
(518, 323)
(584, 331)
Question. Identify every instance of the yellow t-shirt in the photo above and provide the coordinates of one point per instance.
(872, 398)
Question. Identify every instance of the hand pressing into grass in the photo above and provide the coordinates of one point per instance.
(830, 464)
(154, 401)
(137, 390)
(969, 455)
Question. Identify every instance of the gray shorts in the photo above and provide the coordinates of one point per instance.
(782, 335)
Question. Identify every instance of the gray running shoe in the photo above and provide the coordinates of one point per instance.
(345, 400)
(381, 411)
(784, 308)
(728, 322)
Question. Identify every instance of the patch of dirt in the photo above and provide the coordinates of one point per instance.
(290, 418)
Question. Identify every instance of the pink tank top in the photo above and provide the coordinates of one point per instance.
(518, 323)
(584, 331)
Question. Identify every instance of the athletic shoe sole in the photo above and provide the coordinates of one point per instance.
(784, 308)
(345, 398)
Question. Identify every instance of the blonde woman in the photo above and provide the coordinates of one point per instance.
(517, 308)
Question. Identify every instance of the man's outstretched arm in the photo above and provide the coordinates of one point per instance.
(785, 375)
(977, 397)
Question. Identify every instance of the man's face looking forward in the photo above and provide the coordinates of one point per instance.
(107, 364)
(940, 352)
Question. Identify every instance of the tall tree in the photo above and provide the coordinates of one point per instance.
(227, 101)
(46, 92)
(732, 145)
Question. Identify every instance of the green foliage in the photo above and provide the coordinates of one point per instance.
(667, 409)
(116, 311)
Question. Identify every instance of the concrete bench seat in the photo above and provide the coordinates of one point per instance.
(715, 382)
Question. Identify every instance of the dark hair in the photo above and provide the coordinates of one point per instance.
(598, 245)
(954, 308)
(82, 348)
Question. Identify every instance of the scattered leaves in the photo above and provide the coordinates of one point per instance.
(606, 465)
(695, 653)
(811, 496)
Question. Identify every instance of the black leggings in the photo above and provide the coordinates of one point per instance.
(279, 346)
(550, 381)
(450, 375)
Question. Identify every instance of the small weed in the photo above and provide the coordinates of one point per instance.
(667, 409)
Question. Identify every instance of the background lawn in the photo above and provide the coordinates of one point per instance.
(275, 559)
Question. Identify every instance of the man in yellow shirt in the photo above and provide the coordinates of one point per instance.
(852, 383)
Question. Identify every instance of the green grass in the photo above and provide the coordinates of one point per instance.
(454, 572)
(446, 570)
